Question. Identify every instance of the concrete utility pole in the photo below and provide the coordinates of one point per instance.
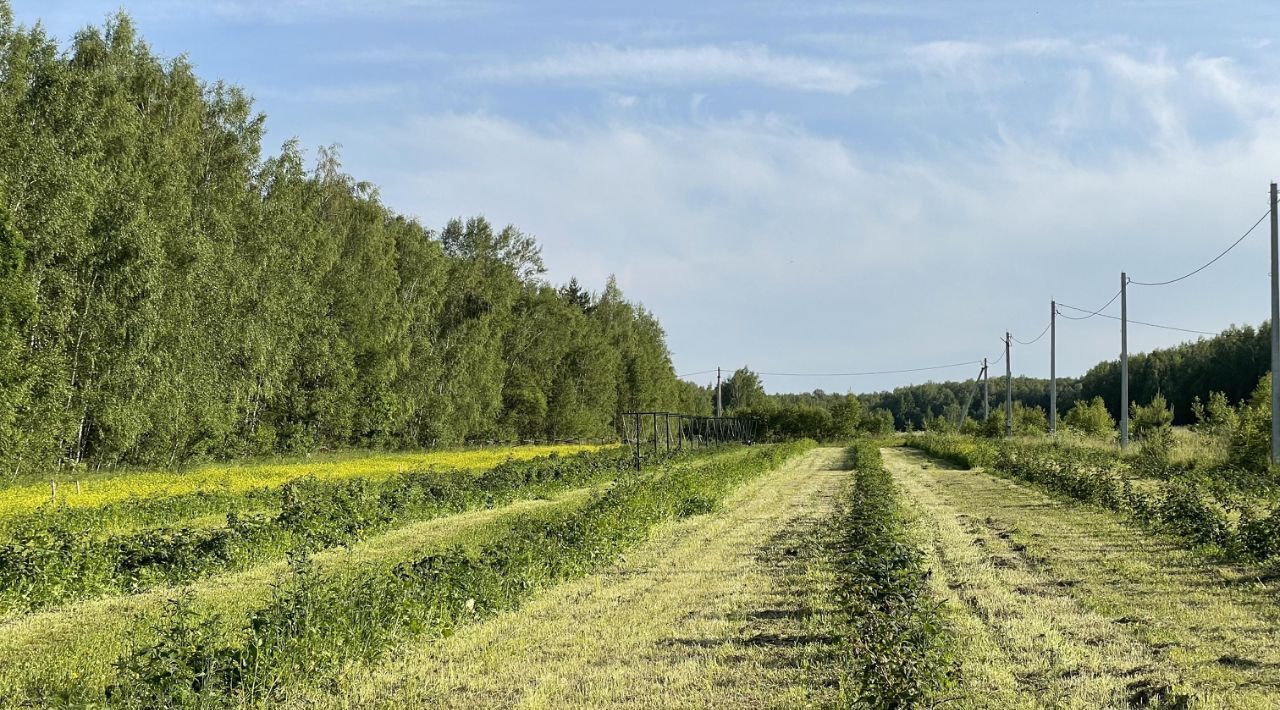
(986, 395)
(1275, 330)
(1008, 386)
(1124, 360)
(1053, 367)
(719, 406)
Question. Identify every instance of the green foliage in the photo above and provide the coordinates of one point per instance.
(54, 556)
(742, 390)
(315, 624)
(1250, 440)
(1199, 513)
(1029, 420)
(841, 421)
(1155, 451)
(1091, 418)
(877, 422)
(848, 418)
(1216, 417)
(967, 451)
(898, 651)
(939, 424)
(170, 292)
(1153, 417)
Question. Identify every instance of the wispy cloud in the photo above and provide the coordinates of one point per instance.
(805, 218)
(751, 63)
(397, 54)
(304, 11)
(342, 93)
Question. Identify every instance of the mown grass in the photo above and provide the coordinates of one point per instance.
(78, 646)
(732, 609)
(1228, 513)
(337, 601)
(1059, 604)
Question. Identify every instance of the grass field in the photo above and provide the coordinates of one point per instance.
(770, 576)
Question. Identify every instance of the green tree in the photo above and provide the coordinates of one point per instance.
(1154, 416)
(742, 390)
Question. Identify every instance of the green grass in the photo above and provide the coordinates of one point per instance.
(107, 487)
(78, 645)
(730, 609)
(1063, 604)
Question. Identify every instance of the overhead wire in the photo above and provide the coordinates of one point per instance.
(694, 374)
(1136, 322)
(876, 372)
(1211, 262)
(1036, 339)
(1091, 314)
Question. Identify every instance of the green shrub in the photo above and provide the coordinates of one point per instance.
(897, 651)
(1215, 418)
(1249, 444)
(1155, 452)
(1091, 418)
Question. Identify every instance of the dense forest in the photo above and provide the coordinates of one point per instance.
(169, 291)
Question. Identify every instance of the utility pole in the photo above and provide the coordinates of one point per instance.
(719, 405)
(986, 394)
(637, 441)
(1053, 367)
(1275, 330)
(1124, 360)
(1008, 386)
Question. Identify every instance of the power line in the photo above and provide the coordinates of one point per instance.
(1136, 322)
(1036, 339)
(1210, 262)
(694, 374)
(1094, 313)
(877, 372)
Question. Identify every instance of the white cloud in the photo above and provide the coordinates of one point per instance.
(396, 54)
(950, 53)
(305, 11)
(750, 63)
(912, 261)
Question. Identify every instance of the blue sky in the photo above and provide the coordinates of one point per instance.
(799, 186)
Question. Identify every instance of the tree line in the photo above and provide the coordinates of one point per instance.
(169, 291)
(1181, 377)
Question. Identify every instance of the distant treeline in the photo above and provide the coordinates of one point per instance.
(1231, 362)
(170, 292)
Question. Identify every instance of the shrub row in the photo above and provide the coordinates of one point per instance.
(1235, 525)
(896, 652)
(53, 559)
(315, 624)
